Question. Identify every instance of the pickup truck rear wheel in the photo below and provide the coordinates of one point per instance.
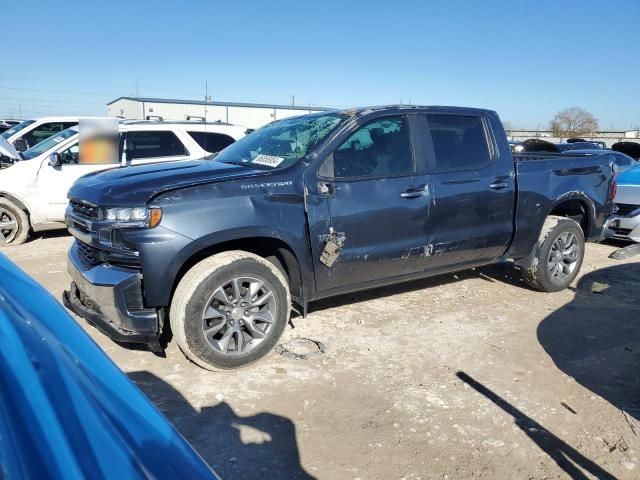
(14, 224)
(229, 310)
(558, 255)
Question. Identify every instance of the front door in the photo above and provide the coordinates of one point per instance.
(376, 205)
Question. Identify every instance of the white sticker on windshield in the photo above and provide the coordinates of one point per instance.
(268, 160)
(58, 139)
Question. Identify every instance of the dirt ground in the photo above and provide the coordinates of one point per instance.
(460, 376)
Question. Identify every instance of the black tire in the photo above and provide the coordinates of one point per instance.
(195, 292)
(9, 211)
(539, 273)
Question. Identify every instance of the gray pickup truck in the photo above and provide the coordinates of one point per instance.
(304, 208)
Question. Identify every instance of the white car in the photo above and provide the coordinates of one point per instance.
(33, 191)
(28, 133)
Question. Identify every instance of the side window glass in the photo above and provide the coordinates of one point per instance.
(43, 132)
(153, 144)
(212, 142)
(70, 156)
(379, 149)
(459, 142)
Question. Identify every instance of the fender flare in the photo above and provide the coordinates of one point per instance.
(575, 195)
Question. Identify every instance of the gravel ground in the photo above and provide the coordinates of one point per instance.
(460, 376)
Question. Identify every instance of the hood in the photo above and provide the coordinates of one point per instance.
(8, 150)
(136, 185)
(19, 175)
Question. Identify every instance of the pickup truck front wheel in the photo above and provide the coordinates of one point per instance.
(558, 255)
(229, 310)
(14, 224)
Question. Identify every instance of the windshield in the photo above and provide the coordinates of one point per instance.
(49, 143)
(281, 143)
(6, 134)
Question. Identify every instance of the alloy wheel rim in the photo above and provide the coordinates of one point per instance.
(8, 225)
(563, 257)
(239, 315)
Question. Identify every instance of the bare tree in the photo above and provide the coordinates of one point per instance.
(573, 122)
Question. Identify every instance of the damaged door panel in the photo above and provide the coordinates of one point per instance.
(378, 203)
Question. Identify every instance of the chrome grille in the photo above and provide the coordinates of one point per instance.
(84, 210)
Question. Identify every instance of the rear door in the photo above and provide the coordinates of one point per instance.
(377, 202)
(473, 188)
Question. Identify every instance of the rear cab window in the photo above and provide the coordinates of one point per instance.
(459, 142)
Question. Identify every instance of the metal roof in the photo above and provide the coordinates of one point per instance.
(222, 104)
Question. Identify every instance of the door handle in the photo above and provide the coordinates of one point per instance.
(498, 185)
(414, 193)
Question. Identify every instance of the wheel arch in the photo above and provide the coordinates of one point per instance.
(19, 202)
(262, 244)
(578, 207)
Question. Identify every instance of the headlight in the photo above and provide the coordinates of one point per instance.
(139, 217)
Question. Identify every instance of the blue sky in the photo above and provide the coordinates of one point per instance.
(525, 59)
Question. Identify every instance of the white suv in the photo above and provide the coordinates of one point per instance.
(28, 133)
(33, 191)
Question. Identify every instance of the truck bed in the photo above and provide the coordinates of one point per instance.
(546, 179)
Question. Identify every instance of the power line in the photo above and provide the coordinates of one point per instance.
(34, 100)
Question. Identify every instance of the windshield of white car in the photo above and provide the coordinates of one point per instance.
(49, 143)
(282, 143)
(13, 130)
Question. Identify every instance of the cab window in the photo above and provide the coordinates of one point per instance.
(459, 142)
(382, 148)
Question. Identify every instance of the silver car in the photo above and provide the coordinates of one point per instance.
(627, 222)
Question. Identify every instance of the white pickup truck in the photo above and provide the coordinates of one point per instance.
(33, 191)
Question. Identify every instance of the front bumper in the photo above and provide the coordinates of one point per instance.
(110, 298)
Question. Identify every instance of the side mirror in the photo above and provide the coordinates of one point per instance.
(21, 144)
(54, 159)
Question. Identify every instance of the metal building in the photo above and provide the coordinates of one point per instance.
(250, 115)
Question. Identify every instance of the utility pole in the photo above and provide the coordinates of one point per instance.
(293, 100)
(207, 98)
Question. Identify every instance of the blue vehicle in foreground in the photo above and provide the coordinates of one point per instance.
(66, 411)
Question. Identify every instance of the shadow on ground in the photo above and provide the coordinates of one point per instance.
(596, 338)
(566, 457)
(258, 446)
